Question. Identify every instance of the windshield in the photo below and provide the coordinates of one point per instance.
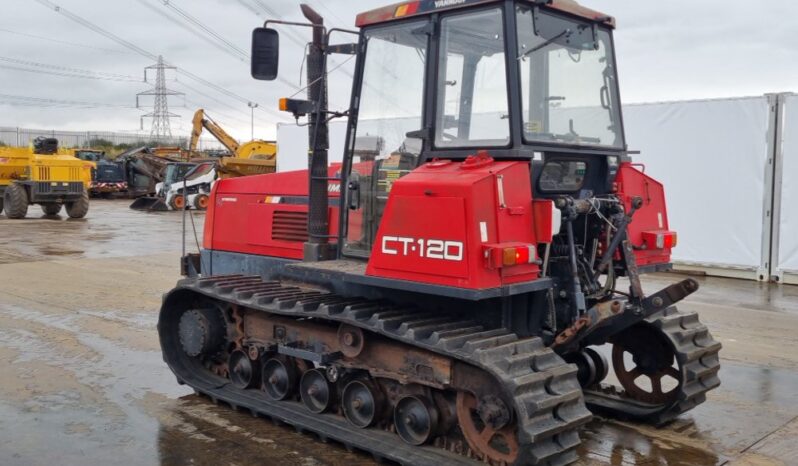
(568, 81)
(176, 172)
(109, 172)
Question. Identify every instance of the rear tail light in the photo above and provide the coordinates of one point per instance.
(509, 256)
(517, 255)
(660, 239)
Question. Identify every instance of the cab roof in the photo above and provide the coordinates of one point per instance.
(424, 7)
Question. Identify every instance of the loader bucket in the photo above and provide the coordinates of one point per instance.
(152, 204)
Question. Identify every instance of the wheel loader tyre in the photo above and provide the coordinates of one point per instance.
(1, 204)
(79, 208)
(51, 209)
(15, 201)
(178, 202)
(201, 202)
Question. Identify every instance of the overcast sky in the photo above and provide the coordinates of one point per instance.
(680, 49)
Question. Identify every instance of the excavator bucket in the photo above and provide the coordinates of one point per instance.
(152, 204)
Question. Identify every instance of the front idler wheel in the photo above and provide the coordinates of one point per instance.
(363, 403)
(279, 378)
(416, 419)
(244, 373)
(315, 391)
(646, 366)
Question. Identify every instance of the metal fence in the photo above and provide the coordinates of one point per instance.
(22, 137)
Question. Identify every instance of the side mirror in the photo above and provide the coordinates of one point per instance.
(265, 54)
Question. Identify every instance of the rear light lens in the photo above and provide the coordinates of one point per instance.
(671, 240)
(660, 239)
(518, 255)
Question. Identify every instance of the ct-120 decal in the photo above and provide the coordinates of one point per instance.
(429, 248)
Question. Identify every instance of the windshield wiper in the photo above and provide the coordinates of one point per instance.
(565, 33)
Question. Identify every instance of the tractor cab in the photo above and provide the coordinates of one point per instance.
(446, 80)
(516, 80)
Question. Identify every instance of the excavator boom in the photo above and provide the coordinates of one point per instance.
(200, 121)
(252, 150)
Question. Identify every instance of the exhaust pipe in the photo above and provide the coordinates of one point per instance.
(317, 247)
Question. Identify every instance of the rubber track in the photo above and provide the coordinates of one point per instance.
(548, 400)
(697, 354)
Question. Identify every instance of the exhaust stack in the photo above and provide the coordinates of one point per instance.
(317, 247)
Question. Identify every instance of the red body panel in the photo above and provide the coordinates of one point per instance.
(243, 212)
(444, 220)
(650, 219)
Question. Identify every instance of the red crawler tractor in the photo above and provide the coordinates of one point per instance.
(452, 299)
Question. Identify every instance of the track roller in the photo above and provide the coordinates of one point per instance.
(416, 419)
(316, 392)
(279, 378)
(363, 403)
(244, 373)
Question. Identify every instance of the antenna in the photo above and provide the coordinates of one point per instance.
(161, 128)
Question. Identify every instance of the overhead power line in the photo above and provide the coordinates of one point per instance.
(67, 75)
(209, 35)
(210, 97)
(63, 70)
(171, 5)
(268, 13)
(199, 34)
(225, 117)
(63, 42)
(43, 101)
(97, 29)
(131, 46)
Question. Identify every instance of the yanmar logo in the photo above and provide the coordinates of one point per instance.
(448, 3)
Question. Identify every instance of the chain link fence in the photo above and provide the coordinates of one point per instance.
(23, 137)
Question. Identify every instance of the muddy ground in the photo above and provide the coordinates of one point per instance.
(83, 381)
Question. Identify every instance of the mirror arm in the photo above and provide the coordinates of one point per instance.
(292, 23)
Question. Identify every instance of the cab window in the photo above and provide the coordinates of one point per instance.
(472, 82)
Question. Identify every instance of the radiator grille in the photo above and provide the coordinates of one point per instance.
(74, 173)
(46, 187)
(44, 173)
(290, 226)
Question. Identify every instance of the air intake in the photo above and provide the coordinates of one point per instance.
(290, 226)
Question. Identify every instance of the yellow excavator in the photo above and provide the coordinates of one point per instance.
(250, 158)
